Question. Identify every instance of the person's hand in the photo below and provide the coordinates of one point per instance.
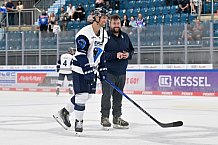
(120, 55)
(125, 55)
(89, 74)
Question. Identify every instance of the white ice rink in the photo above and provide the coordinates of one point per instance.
(26, 119)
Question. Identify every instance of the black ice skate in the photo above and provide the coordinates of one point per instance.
(57, 91)
(78, 126)
(119, 123)
(62, 117)
(105, 123)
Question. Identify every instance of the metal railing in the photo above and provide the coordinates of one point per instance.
(43, 4)
(26, 17)
(154, 44)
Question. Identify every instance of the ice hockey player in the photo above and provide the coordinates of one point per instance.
(88, 59)
(64, 70)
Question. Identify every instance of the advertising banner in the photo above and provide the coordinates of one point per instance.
(182, 80)
(193, 80)
(135, 80)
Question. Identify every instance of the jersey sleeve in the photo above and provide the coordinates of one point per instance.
(82, 43)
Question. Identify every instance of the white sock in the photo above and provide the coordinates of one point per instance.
(70, 107)
(79, 115)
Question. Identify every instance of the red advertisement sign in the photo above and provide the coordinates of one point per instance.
(34, 78)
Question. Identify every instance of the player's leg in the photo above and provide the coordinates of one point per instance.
(83, 91)
(62, 117)
(60, 82)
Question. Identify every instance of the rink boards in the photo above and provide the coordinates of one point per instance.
(185, 80)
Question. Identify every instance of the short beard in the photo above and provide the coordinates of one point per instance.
(114, 31)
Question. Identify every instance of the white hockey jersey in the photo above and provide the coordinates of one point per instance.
(91, 47)
(65, 63)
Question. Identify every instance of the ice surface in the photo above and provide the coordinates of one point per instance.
(26, 119)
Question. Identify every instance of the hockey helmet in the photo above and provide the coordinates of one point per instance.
(102, 11)
(71, 50)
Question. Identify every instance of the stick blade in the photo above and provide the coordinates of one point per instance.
(173, 124)
(177, 124)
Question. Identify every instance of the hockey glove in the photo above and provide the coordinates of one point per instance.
(58, 68)
(89, 75)
(102, 73)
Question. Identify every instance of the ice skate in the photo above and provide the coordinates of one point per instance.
(119, 123)
(62, 117)
(105, 123)
(57, 91)
(78, 127)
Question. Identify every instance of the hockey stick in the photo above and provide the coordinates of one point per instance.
(164, 125)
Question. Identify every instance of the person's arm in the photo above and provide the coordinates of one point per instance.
(110, 56)
(129, 52)
(58, 64)
(82, 44)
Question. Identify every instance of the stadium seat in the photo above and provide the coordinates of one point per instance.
(150, 11)
(191, 18)
(151, 20)
(167, 19)
(173, 9)
(183, 18)
(157, 11)
(175, 18)
(165, 10)
(130, 5)
(159, 20)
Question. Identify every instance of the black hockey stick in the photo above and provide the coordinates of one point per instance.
(164, 125)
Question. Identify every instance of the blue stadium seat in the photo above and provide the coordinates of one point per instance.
(167, 19)
(151, 20)
(144, 4)
(150, 11)
(157, 11)
(138, 4)
(135, 12)
(144, 12)
(130, 5)
(183, 18)
(129, 12)
(159, 3)
(159, 20)
(150, 4)
(173, 9)
(215, 6)
(83, 23)
(191, 18)
(175, 18)
(165, 10)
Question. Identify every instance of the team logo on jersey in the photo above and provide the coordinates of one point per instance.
(81, 43)
(97, 52)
